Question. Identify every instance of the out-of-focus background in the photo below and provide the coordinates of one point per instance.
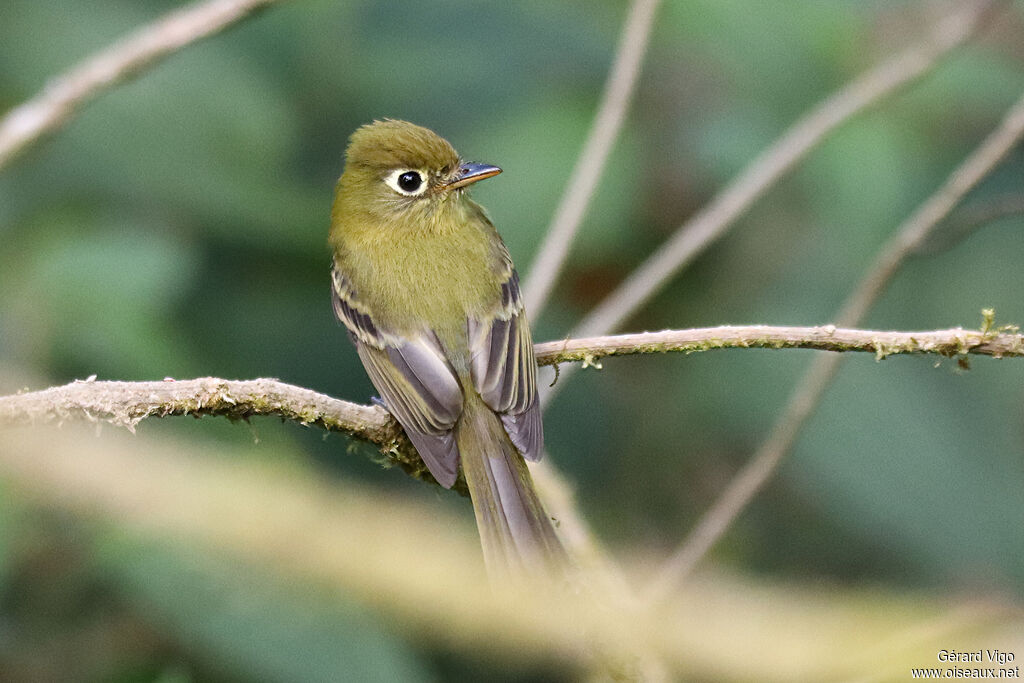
(177, 228)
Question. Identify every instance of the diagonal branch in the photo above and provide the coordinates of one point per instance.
(618, 92)
(711, 223)
(806, 396)
(970, 219)
(65, 94)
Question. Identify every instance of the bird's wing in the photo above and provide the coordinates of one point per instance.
(503, 368)
(413, 376)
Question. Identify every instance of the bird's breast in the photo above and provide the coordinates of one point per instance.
(425, 280)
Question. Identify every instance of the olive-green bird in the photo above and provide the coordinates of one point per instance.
(431, 300)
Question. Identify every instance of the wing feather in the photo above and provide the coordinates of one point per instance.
(504, 370)
(414, 378)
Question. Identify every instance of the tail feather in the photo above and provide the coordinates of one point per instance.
(517, 536)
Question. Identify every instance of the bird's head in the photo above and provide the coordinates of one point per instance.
(398, 171)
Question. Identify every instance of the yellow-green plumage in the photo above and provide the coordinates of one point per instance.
(427, 289)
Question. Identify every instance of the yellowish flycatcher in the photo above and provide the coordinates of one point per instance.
(431, 300)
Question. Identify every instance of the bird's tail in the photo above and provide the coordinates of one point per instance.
(517, 536)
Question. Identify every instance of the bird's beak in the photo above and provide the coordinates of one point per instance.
(469, 173)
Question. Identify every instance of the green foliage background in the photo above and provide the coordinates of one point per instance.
(177, 228)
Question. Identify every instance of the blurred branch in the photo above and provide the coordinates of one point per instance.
(618, 92)
(737, 197)
(419, 568)
(65, 94)
(700, 231)
(619, 87)
(806, 396)
(125, 404)
(968, 220)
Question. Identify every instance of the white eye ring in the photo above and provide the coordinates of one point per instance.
(407, 181)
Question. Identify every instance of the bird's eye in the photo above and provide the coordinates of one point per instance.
(407, 182)
(410, 182)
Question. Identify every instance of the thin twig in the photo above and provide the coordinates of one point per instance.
(812, 386)
(65, 94)
(696, 234)
(618, 93)
(952, 342)
(968, 220)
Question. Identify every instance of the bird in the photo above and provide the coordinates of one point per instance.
(430, 297)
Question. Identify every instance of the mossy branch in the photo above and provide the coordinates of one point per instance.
(125, 404)
(1002, 342)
